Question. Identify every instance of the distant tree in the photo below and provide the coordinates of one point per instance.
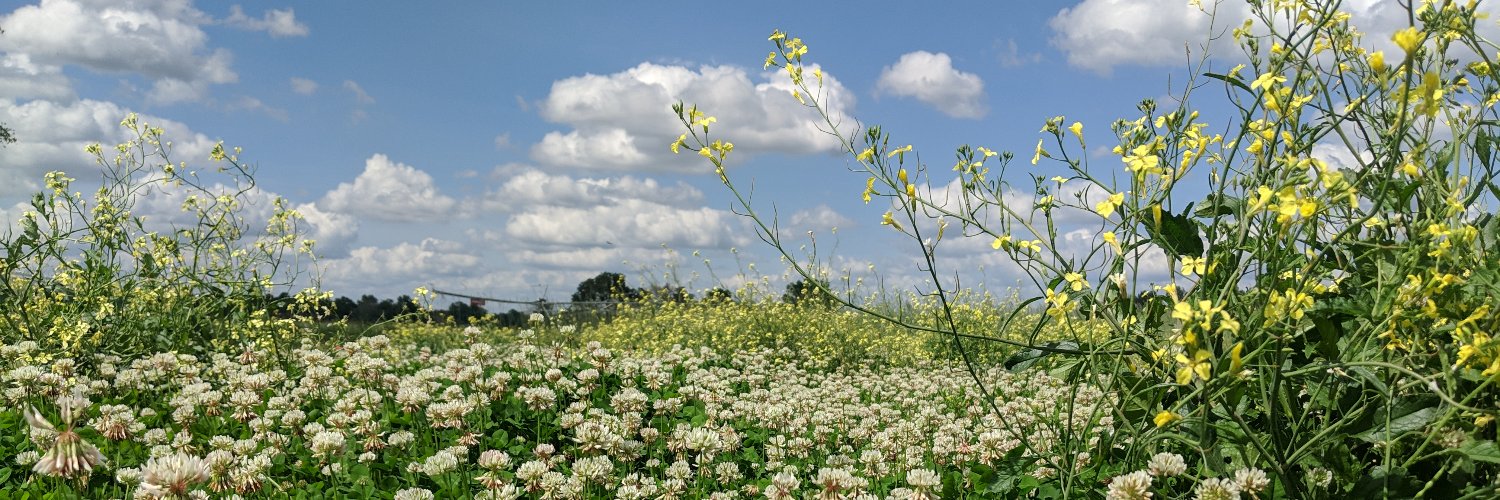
(604, 287)
(367, 310)
(720, 294)
(462, 312)
(667, 293)
(512, 319)
(343, 307)
(808, 292)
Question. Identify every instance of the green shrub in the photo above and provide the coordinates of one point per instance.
(1327, 327)
(87, 274)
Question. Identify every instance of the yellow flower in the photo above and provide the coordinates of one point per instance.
(869, 188)
(1039, 153)
(1109, 237)
(1235, 361)
(1108, 205)
(1077, 129)
(1165, 418)
(1075, 281)
(1266, 81)
(1194, 265)
(1141, 159)
(1001, 242)
(866, 155)
(1377, 61)
(681, 139)
(1408, 39)
(1199, 366)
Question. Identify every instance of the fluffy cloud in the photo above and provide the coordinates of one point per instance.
(333, 231)
(931, 78)
(52, 136)
(159, 40)
(21, 78)
(390, 191)
(359, 93)
(1099, 35)
(403, 266)
(559, 213)
(533, 187)
(820, 219)
(631, 222)
(624, 121)
(304, 86)
(279, 23)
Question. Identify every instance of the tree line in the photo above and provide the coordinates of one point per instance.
(593, 298)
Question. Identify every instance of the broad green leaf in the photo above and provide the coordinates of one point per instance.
(1481, 451)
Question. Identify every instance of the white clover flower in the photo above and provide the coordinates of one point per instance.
(1251, 480)
(1216, 489)
(1166, 465)
(1132, 486)
(400, 439)
(439, 463)
(172, 475)
(326, 443)
(28, 457)
(413, 494)
(494, 460)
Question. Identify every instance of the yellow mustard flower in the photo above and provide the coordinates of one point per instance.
(1107, 206)
(1408, 39)
(1165, 418)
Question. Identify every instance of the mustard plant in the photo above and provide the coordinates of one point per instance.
(1325, 328)
(83, 274)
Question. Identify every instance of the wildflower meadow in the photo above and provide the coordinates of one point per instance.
(1322, 330)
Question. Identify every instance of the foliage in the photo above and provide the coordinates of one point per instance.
(605, 287)
(824, 337)
(1326, 327)
(500, 416)
(86, 274)
(809, 292)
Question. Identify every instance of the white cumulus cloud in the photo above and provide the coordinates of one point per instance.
(278, 23)
(390, 191)
(531, 187)
(403, 266)
(820, 218)
(931, 78)
(630, 222)
(624, 121)
(1100, 35)
(52, 136)
(159, 40)
(304, 86)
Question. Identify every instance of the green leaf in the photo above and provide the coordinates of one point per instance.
(1177, 234)
(1216, 205)
(1230, 79)
(1478, 451)
(1400, 425)
(1482, 145)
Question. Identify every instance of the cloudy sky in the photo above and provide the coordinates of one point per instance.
(510, 149)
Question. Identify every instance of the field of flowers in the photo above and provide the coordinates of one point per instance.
(504, 417)
(1322, 331)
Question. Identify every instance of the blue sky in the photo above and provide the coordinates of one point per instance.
(506, 148)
